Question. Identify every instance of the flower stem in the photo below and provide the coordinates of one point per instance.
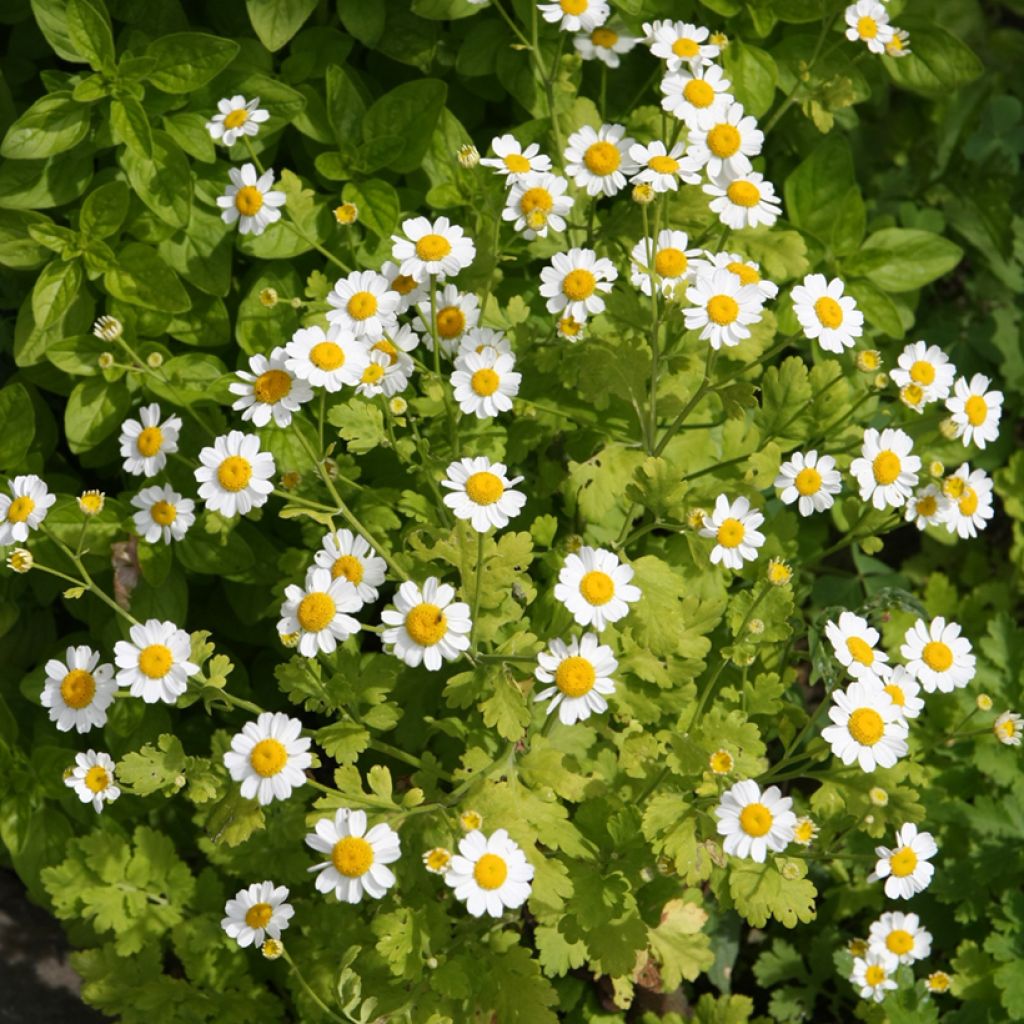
(309, 990)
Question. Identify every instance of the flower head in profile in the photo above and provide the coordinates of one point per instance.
(1008, 728)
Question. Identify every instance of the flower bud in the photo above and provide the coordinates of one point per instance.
(272, 949)
(779, 572)
(268, 297)
(20, 560)
(154, 360)
(108, 328)
(869, 360)
(643, 194)
(398, 406)
(468, 156)
(105, 360)
(347, 213)
(91, 502)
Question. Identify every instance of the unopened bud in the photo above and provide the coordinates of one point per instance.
(268, 297)
(347, 213)
(468, 156)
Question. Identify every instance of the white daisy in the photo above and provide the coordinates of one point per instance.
(905, 867)
(482, 493)
(425, 625)
(153, 662)
(604, 44)
(692, 91)
(327, 360)
(753, 822)
(485, 382)
(397, 346)
(938, 655)
(570, 329)
(855, 644)
(440, 248)
(489, 873)
(925, 367)
(899, 45)
(513, 160)
(257, 912)
(746, 270)
(886, 470)
(873, 974)
(357, 859)
(722, 307)
(146, 442)
(78, 690)
(805, 831)
(903, 689)
(269, 390)
(662, 168)
(969, 501)
(1007, 728)
(595, 586)
(573, 280)
(455, 313)
(476, 339)
(374, 377)
(536, 202)
(826, 313)
(928, 507)
(733, 525)
(723, 141)
(24, 510)
(810, 481)
(868, 727)
(410, 292)
(680, 44)
(235, 476)
(347, 555)
(364, 304)
(163, 514)
(744, 201)
(93, 779)
(580, 676)
(575, 15)
(317, 611)
(237, 117)
(674, 263)
(900, 935)
(868, 21)
(251, 200)
(599, 161)
(975, 410)
(269, 757)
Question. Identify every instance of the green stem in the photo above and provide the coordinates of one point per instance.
(477, 588)
(702, 390)
(791, 98)
(309, 990)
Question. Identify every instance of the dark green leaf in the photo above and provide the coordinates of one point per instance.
(408, 112)
(104, 210)
(90, 32)
(142, 278)
(186, 61)
(276, 21)
(51, 125)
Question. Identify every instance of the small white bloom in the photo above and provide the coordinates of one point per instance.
(599, 161)
(744, 201)
(513, 160)
(975, 410)
(78, 690)
(868, 727)
(661, 168)
(327, 360)
(317, 612)
(873, 974)
(573, 280)
(674, 262)
(269, 757)
(680, 44)
(235, 476)
(440, 248)
(482, 493)
(476, 339)
(724, 141)
(753, 822)
(928, 507)
(364, 304)
(855, 644)
(868, 21)
(455, 313)
(485, 382)
(604, 44)
(347, 555)
(93, 779)
(1008, 728)
(886, 471)
(237, 117)
(358, 859)
(250, 200)
(575, 15)
(969, 501)
(146, 442)
(903, 689)
(810, 481)
(579, 674)
(692, 91)
(24, 510)
(900, 935)
(905, 867)
(826, 313)
(269, 390)
(489, 873)
(163, 514)
(153, 662)
(426, 625)
(746, 270)
(938, 655)
(595, 586)
(927, 367)
(410, 292)
(536, 202)
(733, 525)
(257, 912)
(722, 307)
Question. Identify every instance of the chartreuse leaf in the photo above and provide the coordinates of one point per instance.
(409, 113)
(131, 125)
(938, 62)
(50, 126)
(680, 945)
(777, 889)
(276, 21)
(185, 61)
(90, 32)
(901, 259)
(104, 210)
(19, 425)
(142, 278)
(377, 202)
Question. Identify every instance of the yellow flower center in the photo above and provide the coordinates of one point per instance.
(804, 831)
(746, 273)
(723, 140)
(597, 587)
(886, 467)
(484, 382)
(730, 533)
(954, 487)
(516, 163)
(698, 93)
(808, 481)
(743, 193)
(258, 915)
(927, 506)
(362, 305)
(721, 762)
(874, 975)
(484, 488)
(968, 504)
(451, 322)
(922, 372)
(234, 473)
(163, 513)
(403, 284)
(388, 349)
(671, 263)
(575, 676)
(663, 164)
(91, 502)
(899, 941)
(938, 982)
(155, 661)
(490, 871)
(897, 695)
(149, 441)
(236, 118)
(372, 374)
(895, 45)
(248, 200)
(756, 819)
(579, 284)
(723, 309)
(903, 862)
(867, 28)
(602, 158)
(77, 688)
(937, 655)
(437, 859)
(431, 248)
(316, 611)
(604, 37)
(20, 509)
(268, 757)
(347, 213)
(685, 48)
(912, 395)
(536, 199)
(569, 327)
(866, 726)
(326, 355)
(426, 624)
(352, 856)
(272, 386)
(348, 566)
(829, 312)
(1007, 728)
(97, 779)
(860, 650)
(976, 410)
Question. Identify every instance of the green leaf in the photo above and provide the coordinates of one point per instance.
(154, 768)
(901, 259)
(344, 741)
(142, 278)
(19, 430)
(505, 709)
(785, 393)
(163, 182)
(345, 108)
(378, 205)
(753, 74)
(938, 62)
(878, 309)
(360, 424)
(681, 947)
(512, 988)
(19, 247)
(822, 197)
(776, 889)
(95, 410)
(54, 291)
(40, 184)
(186, 61)
(362, 20)
(276, 21)
(90, 33)
(131, 125)
(52, 18)
(51, 125)
(104, 210)
(408, 112)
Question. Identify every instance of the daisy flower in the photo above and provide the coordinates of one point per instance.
(938, 655)
(693, 91)
(868, 21)
(250, 200)
(926, 367)
(805, 831)
(436, 861)
(595, 586)
(938, 982)
(146, 442)
(397, 346)
(482, 493)
(163, 514)
(572, 282)
(455, 313)
(347, 555)
(269, 390)
(905, 867)
(269, 757)
(868, 727)
(886, 470)
(237, 117)
(746, 270)
(476, 339)
(485, 382)
(1007, 728)
(599, 161)
(425, 625)
(928, 507)
(537, 201)
(153, 662)
(78, 690)
(900, 935)
(357, 859)
(975, 410)
(93, 779)
(969, 505)
(855, 644)
(410, 292)
(874, 974)
(604, 44)
(724, 141)
(661, 168)
(570, 329)
(489, 873)
(235, 476)
(316, 611)
(722, 307)
(513, 160)
(826, 313)
(680, 44)
(577, 677)
(440, 249)
(364, 304)
(744, 201)
(257, 912)
(753, 822)
(575, 15)
(24, 510)
(899, 45)
(903, 689)
(327, 360)
(733, 525)
(810, 481)
(674, 262)
(372, 381)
